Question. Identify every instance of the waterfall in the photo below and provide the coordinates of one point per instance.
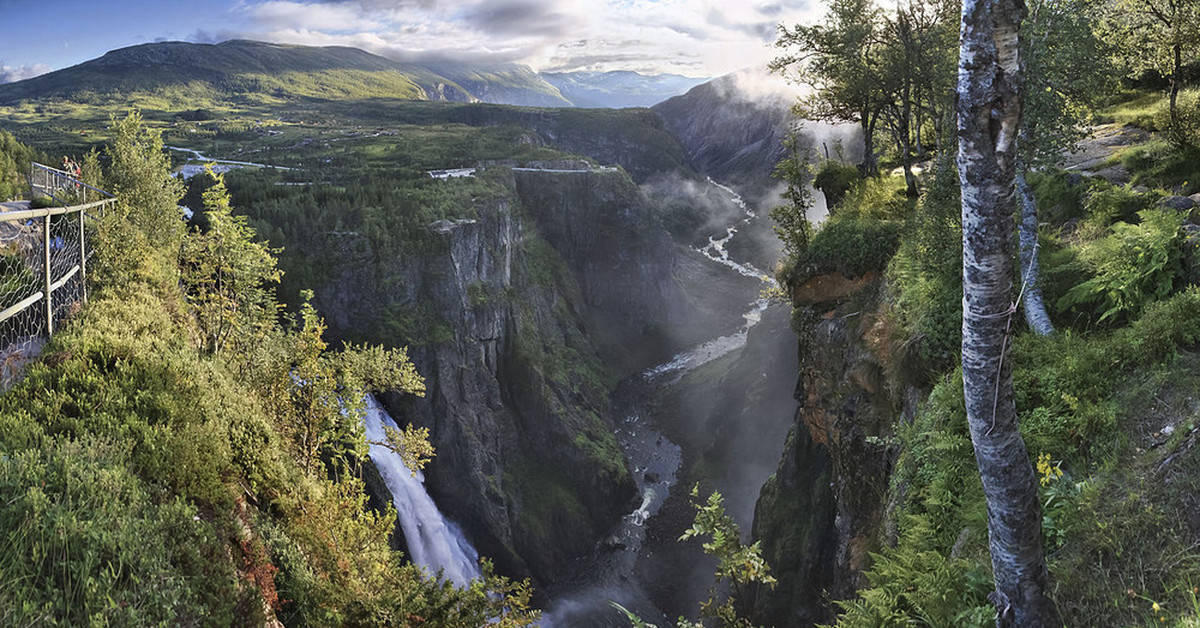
(435, 543)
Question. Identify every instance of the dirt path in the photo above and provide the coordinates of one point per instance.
(1102, 143)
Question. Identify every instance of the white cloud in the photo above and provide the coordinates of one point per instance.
(694, 37)
(314, 16)
(11, 74)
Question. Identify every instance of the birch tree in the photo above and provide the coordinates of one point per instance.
(989, 115)
(839, 59)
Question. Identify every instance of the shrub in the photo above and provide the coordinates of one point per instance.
(834, 180)
(926, 277)
(852, 246)
(1134, 265)
(89, 545)
(1106, 204)
(1165, 165)
(1060, 195)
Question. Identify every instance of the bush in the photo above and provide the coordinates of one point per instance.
(1060, 195)
(852, 246)
(89, 545)
(1136, 264)
(926, 277)
(1106, 204)
(1164, 165)
(834, 180)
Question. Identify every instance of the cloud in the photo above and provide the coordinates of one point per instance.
(343, 17)
(693, 37)
(522, 18)
(11, 74)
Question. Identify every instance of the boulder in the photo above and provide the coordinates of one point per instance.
(1178, 203)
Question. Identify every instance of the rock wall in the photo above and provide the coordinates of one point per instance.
(822, 512)
(531, 311)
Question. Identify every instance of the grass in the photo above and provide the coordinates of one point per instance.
(1139, 109)
(1164, 165)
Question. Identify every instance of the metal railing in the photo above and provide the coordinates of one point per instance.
(43, 256)
(62, 186)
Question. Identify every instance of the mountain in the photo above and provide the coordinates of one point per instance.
(187, 75)
(733, 128)
(618, 89)
(255, 72)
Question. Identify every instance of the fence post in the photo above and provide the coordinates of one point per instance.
(47, 277)
(83, 256)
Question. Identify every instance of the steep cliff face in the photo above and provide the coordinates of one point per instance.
(528, 312)
(821, 513)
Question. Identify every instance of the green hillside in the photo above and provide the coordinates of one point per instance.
(240, 72)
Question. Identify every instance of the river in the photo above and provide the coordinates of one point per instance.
(608, 575)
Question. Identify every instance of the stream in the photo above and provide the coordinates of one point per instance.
(585, 600)
(189, 171)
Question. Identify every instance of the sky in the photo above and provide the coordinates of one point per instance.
(700, 38)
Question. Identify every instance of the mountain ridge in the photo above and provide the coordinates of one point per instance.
(244, 71)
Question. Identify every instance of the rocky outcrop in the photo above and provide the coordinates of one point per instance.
(821, 513)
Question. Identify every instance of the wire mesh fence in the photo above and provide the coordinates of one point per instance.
(43, 265)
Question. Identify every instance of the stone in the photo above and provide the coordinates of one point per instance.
(1178, 203)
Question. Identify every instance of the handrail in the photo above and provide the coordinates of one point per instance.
(66, 175)
(26, 214)
(48, 180)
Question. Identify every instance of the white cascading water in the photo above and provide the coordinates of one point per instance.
(717, 347)
(435, 543)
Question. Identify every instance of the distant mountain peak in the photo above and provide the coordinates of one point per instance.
(619, 88)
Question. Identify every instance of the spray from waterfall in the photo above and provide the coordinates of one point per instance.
(435, 542)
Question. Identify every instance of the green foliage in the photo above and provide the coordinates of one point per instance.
(1154, 35)
(738, 565)
(140, 176)
(834, 179)
(791, 218)
(15, 158)
(852, 246)
(1106, 204)
(1136, 264)
(926, 277)
(88, 543)
(227, 276)
(1059, 40)
(1107, 536)
(411, 444)
(1060, 195)
(921, 587)
(861, 237)
(1164, 165)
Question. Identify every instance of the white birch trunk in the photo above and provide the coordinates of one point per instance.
(1032, 303)
(989, 112)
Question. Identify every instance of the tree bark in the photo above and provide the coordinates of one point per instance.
(989, 112)
(866, 120)
(910, 180)
(1176, 77)
(1032, 302)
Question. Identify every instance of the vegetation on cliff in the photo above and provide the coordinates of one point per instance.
(182, 455)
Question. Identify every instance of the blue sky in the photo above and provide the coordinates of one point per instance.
(692, 37)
